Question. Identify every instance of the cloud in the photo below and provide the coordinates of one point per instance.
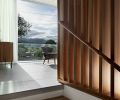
(43, 18)
(49, 2)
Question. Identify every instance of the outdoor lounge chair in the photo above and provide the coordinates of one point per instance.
(49, 54)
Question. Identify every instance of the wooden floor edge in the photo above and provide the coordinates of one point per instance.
(58, 98)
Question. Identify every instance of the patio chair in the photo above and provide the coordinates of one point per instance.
(48, 54)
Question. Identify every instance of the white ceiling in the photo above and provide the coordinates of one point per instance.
(51, 2)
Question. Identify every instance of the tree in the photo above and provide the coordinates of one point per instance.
(23, 26)
(50, 42)
(50, 46)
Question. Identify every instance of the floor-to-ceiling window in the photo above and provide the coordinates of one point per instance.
(37, 29)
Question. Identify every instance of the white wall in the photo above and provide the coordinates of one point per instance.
(16, 35)
(74, 94)
(8, 23)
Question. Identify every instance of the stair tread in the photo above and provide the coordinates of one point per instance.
(58, 98)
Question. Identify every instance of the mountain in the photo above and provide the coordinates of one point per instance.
(40, 35)
(34, 34)
(32, 40)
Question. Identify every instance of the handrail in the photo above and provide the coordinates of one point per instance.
(114, 65)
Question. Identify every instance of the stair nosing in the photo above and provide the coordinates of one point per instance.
(31, 92)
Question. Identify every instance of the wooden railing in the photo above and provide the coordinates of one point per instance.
(110, 61)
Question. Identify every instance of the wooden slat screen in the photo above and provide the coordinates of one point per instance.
(89, 46)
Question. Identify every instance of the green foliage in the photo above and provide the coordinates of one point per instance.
(34, 52)
(22, 51)
(50, 42)
(54, 48)
(23, 26)
(38, 53)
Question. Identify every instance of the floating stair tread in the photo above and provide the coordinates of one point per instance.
(58, 98)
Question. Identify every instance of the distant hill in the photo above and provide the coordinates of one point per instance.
(32, 40)
(40, 35)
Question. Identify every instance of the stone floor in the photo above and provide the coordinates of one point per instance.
(26, 76)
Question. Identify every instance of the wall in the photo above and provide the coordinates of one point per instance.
(8, 23)
(74, 94)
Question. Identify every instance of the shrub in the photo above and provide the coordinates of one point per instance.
(38, 53)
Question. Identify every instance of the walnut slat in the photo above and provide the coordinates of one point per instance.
(112, 48)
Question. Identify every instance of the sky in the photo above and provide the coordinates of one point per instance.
(42, 17)
(51, 2)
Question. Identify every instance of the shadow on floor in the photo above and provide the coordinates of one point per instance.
(15, 74)
(53, 66)
(26, 76)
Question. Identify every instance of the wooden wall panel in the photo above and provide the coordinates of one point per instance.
(101, 8)
(117, 47)
(112, 42)
(66, 55)
(61, 68)
(84, 49)
(106, 33)
(90, 31)
(60, 40)
(75, 41)
(72, 41)
(95, 43)
(86, 46)
(66, 43)
(78, 43)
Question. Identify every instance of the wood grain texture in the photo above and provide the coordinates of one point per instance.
(112, 42)
(61, 44)
(6, 52)
(95, 43)
(117, 47)
(60, 40)
(66, 41)
(90, 31)
(58, 98)
(106, 45)
(100, 45)
(78, 43)
(1, 52)
(91, 52)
